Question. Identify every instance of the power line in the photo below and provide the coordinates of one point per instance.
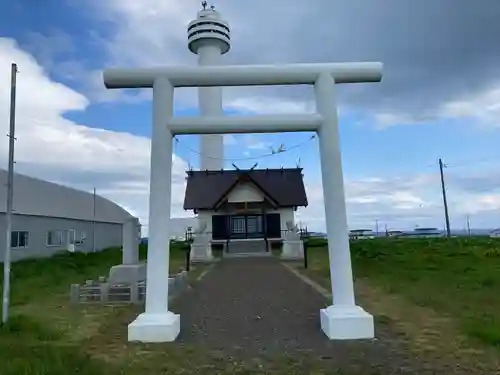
(477, 161)
(283, 149)
(490, 159)
(273, 152)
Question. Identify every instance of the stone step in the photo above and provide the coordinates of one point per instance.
(245, 255)
(245, 247)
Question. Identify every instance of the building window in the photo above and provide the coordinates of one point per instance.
(221, 25)
(55, 238)
(208, 32)
(19, 239)
(82, 238)
(238, 225)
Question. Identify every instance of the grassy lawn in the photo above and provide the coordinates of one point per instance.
(45, 334)
(442, 295)
(447, 289)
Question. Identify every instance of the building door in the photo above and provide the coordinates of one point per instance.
(254, 226)
(219, 227)
(273, 225)
(247, 226)
(238, 227)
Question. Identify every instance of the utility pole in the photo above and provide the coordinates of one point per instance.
(468, 225)
(376, 227)
(445, 202)
(10, 195)
(93, 224)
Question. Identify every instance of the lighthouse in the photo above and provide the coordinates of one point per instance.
(209, 38)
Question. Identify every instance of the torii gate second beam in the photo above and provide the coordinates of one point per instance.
(343, 319)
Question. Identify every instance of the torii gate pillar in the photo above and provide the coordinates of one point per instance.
(343, 319)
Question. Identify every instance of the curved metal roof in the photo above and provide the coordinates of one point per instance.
(37, 197)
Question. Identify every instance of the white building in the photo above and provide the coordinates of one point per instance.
(495, 233)
(361, 234)
(243, 208)
(245, 205)
(425, 233)
(49, 218)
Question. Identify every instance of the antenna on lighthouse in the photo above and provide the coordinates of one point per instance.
(204, 5)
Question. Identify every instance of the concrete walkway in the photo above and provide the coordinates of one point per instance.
(251, 307)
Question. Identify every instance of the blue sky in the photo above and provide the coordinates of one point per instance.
(391, 131)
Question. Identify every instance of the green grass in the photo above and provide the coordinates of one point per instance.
(459, 277)
(44, 333)
(54, 275)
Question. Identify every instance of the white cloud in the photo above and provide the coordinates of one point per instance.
(147, 29)
(164, 42)
(389, 119)
(259, 145)
(260, 105)
(255, 143)
(481, 203)
(52, 147)
(482, 107)
(403, 203)
(153, 32)
(50, 46)
(229, 140)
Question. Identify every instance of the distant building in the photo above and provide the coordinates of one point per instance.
(495, 233)
(361, 234)
(317, 234)
(425, 233)
(48, 218)
(395, 233)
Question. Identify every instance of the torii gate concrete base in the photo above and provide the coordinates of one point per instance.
(161, 327)
(131, 270)
(346, 322)
(343, 319)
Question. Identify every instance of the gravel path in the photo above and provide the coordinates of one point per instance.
(252, 308)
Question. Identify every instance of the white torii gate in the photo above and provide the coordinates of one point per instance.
(343, 319)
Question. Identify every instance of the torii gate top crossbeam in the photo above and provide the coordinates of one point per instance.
(244, 75)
